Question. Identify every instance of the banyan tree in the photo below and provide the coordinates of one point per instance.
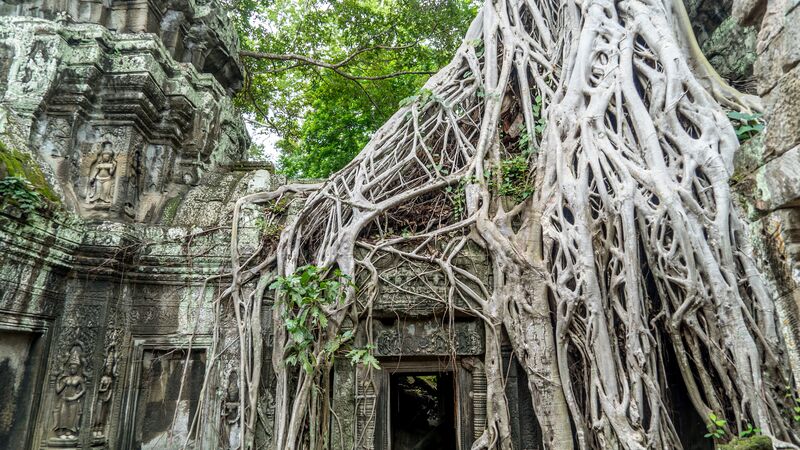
(584, 147)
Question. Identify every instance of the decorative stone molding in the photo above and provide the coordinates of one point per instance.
(428, 338)
(115, 121)
(196, 32)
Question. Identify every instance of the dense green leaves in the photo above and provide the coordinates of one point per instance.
(324, 116)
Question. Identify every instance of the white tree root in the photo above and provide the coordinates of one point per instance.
(628, 252)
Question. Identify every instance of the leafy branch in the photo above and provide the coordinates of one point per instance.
(305, 294)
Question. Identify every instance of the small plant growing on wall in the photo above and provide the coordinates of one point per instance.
(20, 193)
(305, 296)
(747, 125)
(715, 426)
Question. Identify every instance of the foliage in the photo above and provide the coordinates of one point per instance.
(14, 163)
(19, 192)
(795, 398)
(269, 229)
(746, 125)
(515, 179)
(322, 118)
(457, 195)
(363, 356)
(750, 431)
(716, 427)
(306, 293)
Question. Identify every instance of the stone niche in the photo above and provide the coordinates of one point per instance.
(162, 410)
(21, 354)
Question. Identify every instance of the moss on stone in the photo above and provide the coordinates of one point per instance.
(751, 443)
(14, 163)
(731, 50)
(170, 209)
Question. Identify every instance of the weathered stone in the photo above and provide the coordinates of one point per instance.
(776, 183)
(731, 50)
(171, 124)
(790, 45)
(428, 338)
(747, 12)
(193, 32)
(783, 127)
(768, 67)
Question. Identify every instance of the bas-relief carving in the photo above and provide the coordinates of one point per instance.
(428, 338)
(412, 289)
(70, 389)
(105, 392)
(87, 316)
(229, 426)
(102, 179)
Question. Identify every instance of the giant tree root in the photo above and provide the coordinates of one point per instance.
(629, 245)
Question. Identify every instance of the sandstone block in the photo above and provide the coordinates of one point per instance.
(777, 183)
(790, 44)
(746, 12)
(783, 128)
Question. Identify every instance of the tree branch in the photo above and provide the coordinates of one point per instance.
(336, 67)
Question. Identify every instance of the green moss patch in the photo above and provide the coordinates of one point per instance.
(751, 443)
(14, 163)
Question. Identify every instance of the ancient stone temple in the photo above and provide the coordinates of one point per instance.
(120, 114)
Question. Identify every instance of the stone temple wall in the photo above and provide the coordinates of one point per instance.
(768, 167)
(115, 311)
(120, 113)
(118, 125)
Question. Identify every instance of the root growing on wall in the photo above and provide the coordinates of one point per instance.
(616, 242)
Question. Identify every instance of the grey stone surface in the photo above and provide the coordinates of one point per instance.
(116, 123)
(767, 168)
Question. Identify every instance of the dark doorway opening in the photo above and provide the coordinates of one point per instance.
(423, 411)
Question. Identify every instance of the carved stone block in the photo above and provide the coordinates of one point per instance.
(428, 338)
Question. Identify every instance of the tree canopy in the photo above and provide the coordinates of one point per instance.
(323, 75)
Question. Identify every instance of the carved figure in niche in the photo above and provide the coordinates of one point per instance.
(70, 389)
(230, 413)
(100, 190)
(104, 393)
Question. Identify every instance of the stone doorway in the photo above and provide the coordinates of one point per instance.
(423, 411)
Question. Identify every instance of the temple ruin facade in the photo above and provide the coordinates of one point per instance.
(121, 114)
